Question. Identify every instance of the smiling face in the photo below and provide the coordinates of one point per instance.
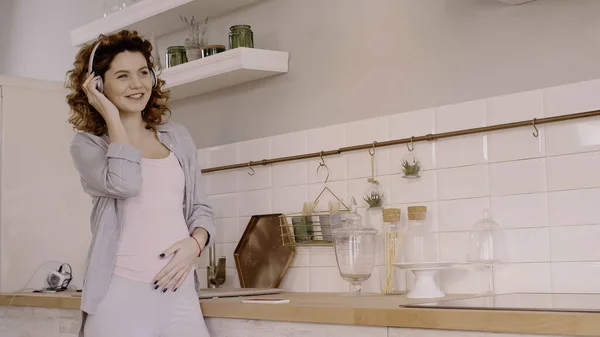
(128, 83)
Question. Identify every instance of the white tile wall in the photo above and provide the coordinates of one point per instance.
(544, 191)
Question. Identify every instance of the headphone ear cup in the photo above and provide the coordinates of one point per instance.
(100, 86)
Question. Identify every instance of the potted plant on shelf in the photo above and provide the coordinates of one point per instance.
(411, 170)
(195, 42)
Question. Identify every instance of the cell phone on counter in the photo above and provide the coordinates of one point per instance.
(266, 300)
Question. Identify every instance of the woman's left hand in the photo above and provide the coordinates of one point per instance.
(174, 273)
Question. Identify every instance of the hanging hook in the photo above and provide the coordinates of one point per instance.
(372, 151)
(410, 146)
(251, 172)
(322, 164)
(372, 180)
(536, 132)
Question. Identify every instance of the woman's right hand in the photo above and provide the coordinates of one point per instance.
(97, 99)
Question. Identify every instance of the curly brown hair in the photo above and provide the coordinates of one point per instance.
(84, 117)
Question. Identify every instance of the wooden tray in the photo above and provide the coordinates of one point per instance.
(260, 257)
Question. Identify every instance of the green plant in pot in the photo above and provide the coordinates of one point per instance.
(411, 169)
(374, 198)
(195, 40)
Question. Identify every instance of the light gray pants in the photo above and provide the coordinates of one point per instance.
(135, 309)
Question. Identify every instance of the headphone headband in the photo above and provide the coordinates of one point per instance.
(92, 57)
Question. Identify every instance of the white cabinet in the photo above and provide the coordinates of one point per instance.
(44, 214)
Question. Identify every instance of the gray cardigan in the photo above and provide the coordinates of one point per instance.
(110, 173)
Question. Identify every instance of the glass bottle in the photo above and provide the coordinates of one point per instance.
(241, 36)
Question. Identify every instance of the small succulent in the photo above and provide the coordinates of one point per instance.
(411, 169)
(374, 199)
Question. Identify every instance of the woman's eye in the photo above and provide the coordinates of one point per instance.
(144, 72)
(122, 76)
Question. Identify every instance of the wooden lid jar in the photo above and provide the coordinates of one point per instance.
(417, 213)
(391, 215)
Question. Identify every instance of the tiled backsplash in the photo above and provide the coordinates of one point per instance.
(544, 192)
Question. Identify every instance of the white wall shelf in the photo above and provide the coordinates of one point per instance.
(223, 70)
(154, 16)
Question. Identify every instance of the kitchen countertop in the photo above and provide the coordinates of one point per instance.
(366, 310)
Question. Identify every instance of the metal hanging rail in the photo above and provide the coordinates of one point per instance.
(428, 137)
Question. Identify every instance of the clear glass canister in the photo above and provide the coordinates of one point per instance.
(355, 251)
(393, 252)
(421, 244)
(241, 36)
(175, 55)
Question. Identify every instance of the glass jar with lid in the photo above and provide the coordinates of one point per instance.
(175, 55)
(241, 36)
(421, 244)
(392, 280)
(355, 250)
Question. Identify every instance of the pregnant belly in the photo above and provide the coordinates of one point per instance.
(143, 240)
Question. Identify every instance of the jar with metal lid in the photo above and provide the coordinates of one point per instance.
(175, 55)
(241, 36)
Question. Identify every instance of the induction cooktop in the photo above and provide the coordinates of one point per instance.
(520, 302)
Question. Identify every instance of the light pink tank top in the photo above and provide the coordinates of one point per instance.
(153, 221)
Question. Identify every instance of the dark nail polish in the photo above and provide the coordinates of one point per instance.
(174, 290)
(155, 282)
(162, 255)
(156, 287)
(164, 290)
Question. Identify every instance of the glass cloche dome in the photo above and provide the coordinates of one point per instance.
(487, 246)
(487, 243)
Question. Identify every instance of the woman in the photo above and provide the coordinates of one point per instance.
(149, 220)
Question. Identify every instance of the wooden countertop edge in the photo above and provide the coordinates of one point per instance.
(525, 322)
(41, 301)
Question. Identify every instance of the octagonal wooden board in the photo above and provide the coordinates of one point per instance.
(260, 257)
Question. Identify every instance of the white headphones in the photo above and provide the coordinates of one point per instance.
(59, 280)
(100, 85)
